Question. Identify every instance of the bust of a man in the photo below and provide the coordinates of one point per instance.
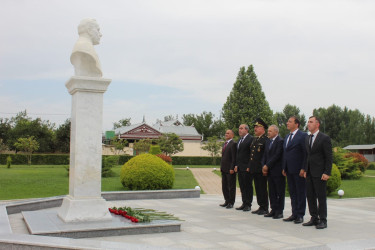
(84, 58)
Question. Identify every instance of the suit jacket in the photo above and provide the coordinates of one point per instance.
(243, 153)
(319, 157)
(228, 157)
(273, 157)
(294, 158)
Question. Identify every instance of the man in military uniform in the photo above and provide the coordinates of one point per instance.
(255, 164)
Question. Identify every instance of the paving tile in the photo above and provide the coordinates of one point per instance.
(237, 245)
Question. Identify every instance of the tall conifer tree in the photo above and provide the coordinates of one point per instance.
(246, 101)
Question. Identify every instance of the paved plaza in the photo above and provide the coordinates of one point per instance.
(206, 225)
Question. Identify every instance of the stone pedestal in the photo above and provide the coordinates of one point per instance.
(84, 202)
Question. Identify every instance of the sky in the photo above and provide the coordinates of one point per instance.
(175, 57)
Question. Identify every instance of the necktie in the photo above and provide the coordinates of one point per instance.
(311, 140)
(271, 144)
(238, 145)
(290, 138)
(225, 145)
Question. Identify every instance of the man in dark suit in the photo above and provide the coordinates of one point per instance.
(242, 167)
(255, 164)
(228, 176)
(272, 167)
(318, 171)
(294, 168)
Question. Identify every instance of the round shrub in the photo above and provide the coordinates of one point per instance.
(147, 172)
(334, 181)
(371, 166)
(155, 150)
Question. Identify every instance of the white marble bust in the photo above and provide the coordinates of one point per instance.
(84, 58)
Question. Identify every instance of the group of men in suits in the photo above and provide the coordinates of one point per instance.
(305, 161)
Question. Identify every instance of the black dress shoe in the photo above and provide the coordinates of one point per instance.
(224, 204)
(256, 211)
(298, 220)
(311, 223)
(321, 225)
(290, 218)
(229, 206)
(241, 207)
(246, 209)
(262, 212)
(270, 214)
(278, 216)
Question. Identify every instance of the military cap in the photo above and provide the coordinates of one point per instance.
(260, 122)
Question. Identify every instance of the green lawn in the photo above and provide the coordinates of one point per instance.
(364, 187)
(21, 181)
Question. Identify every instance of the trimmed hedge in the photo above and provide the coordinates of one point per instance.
(36, 159)
(63, 159)
(193, 160)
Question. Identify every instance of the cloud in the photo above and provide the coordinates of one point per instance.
(174, 57)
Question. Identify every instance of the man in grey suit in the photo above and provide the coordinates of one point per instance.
(228, 176)
(242, 167)
(318, 171)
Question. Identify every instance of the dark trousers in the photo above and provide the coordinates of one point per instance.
(316, 191)
(276, 191)
(228, 185)
(246, 187)
(260, 183)
(297, 191)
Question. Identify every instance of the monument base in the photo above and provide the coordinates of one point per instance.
(47, 223)
(78, 210)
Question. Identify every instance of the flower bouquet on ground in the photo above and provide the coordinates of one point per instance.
(141, 215)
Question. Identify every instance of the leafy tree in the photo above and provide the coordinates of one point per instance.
(3, 146)
(213, 145)
(332, 122)
(62, 137)
(189, 119)
(155, 150)
(246, 101)
(345, 126)
(122, 123)
(23, 127)
(205, 124)
(27, 145)
(142, 146)
(170, 144)
(282, 117)
(168, 118)
(118, 145)
(5, 128)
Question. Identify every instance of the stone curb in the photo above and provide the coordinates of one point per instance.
(8, 240)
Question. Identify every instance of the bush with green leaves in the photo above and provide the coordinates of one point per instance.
(371, 166)
(155, 150)
(334, 181)
(351, 165)
(108, 163)
(165, 158)
(147, 172)
(9, 161)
